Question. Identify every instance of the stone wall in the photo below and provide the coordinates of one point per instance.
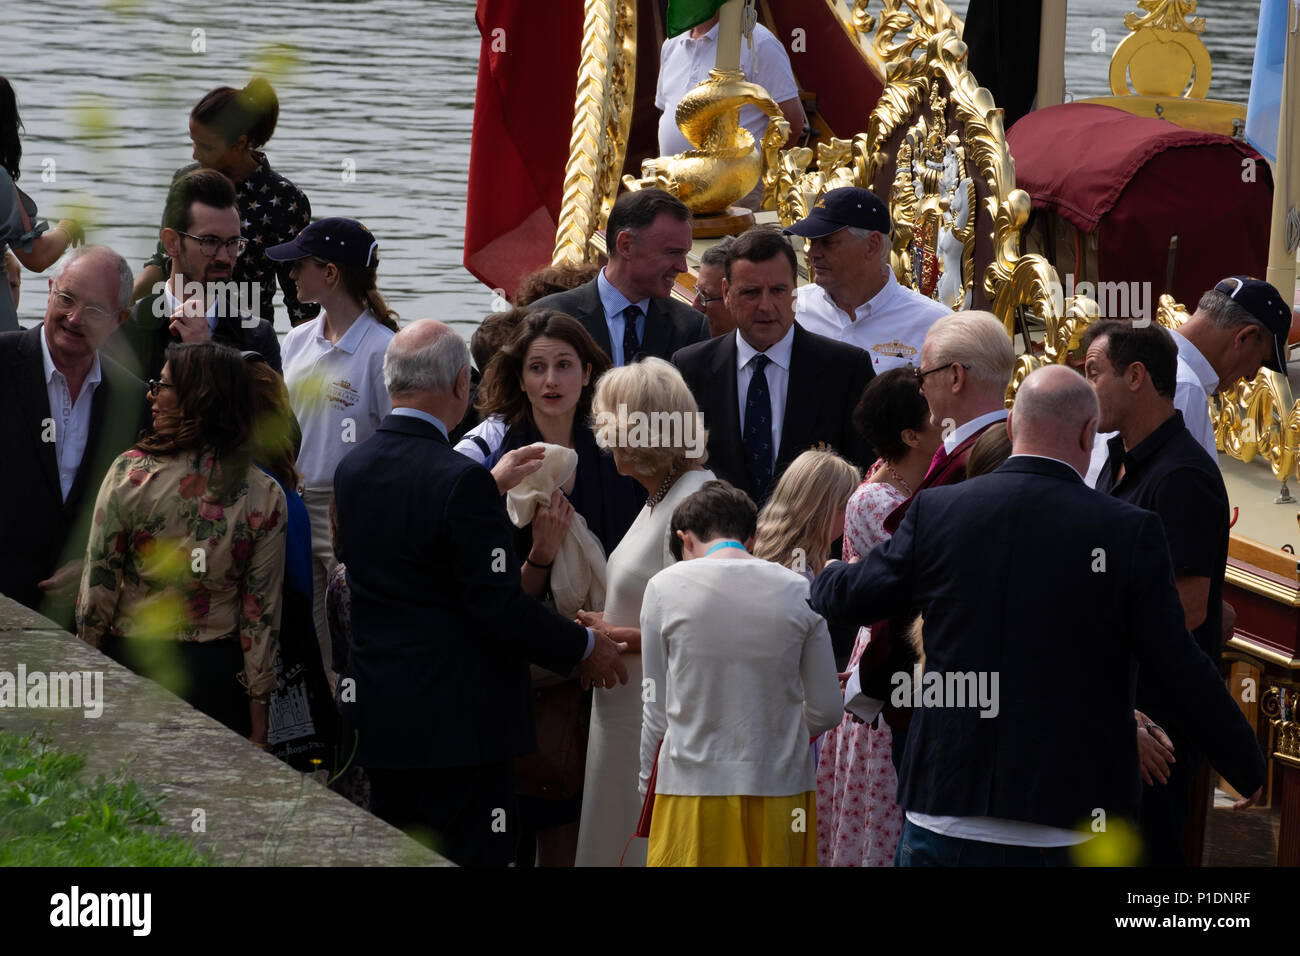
(257, 811)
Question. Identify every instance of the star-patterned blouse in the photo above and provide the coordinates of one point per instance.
(168, 557)
(272, 210)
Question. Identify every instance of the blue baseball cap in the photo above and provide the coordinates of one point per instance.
(343, 241)
(1266, 305)
(846, 206)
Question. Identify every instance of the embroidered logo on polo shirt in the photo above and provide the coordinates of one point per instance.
(894, 348)
(341, 393)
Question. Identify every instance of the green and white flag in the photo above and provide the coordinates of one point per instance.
(684, 14)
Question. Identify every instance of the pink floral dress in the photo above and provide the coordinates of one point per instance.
(858, 822)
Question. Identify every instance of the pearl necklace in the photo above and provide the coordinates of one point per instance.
(658, 496)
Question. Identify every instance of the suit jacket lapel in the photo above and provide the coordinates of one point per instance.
(658, 328)
(724, 433)
(36, 408)
(800, 398)
(593, 316)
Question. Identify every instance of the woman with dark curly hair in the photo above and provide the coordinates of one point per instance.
(185, 564)
(858, 821)
(540, 385)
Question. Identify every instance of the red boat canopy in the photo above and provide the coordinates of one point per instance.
(1136, 182)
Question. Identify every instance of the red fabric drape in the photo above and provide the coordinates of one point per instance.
(523, 118)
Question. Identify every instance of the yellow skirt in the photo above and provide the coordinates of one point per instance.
(733, 831)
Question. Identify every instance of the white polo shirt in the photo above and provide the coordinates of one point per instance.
(891, 326)
(336, 390)
(71, 419)
(684, 63)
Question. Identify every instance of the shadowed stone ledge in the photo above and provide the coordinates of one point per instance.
(257, 811)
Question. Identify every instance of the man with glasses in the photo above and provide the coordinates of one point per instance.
(966, 365)
(708, 288)
(69, 411)
(199, 302)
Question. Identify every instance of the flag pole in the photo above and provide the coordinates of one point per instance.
(729, 36)
(1286, 170)
(1051, 55)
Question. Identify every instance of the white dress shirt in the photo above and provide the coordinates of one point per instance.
(778, 380)
(71, 419)
(614, 302)
(336, 390)
(684, 63)
(891, 325)
(1194, 384)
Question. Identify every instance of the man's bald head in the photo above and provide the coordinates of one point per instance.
(1055, 416)
(425, 356)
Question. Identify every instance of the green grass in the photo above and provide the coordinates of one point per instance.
(49, 816)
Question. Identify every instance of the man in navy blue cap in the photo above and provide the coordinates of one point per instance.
(856, 298)
(1238, 326)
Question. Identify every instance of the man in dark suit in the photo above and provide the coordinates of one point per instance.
(69, 411)
(442, 632)
(628, 307)
(1048, 758)
(199, 302)
(773, 389)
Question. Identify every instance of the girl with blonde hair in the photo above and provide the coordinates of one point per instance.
(806, 512)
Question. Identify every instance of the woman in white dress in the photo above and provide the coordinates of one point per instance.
(667, 459)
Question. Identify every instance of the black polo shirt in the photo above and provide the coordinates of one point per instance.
(1169, 473)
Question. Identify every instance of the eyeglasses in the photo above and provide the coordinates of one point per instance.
(157, 384)
(706, 299)
(920, 375)
(69, 302)
(208, 245)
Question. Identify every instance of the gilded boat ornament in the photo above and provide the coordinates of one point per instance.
(602, 116)
(725, 164)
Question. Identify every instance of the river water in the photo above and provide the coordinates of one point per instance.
(376, 107)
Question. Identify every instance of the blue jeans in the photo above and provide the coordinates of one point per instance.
(921, 847)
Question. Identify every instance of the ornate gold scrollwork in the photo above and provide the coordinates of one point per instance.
(1163, 53)
(602, 116)
(951, 133)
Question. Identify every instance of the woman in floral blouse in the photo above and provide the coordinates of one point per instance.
(187, 547)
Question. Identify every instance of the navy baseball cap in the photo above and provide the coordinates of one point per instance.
(846, 206)
(343, 241)
(1265, 304)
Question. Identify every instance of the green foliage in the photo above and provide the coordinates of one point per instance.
(50, 817)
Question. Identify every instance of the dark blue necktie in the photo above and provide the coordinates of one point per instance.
(631, 345)
(758, 428)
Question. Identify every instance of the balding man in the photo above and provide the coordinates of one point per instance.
(1023, 737)
(68, 412)
(442, 632)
